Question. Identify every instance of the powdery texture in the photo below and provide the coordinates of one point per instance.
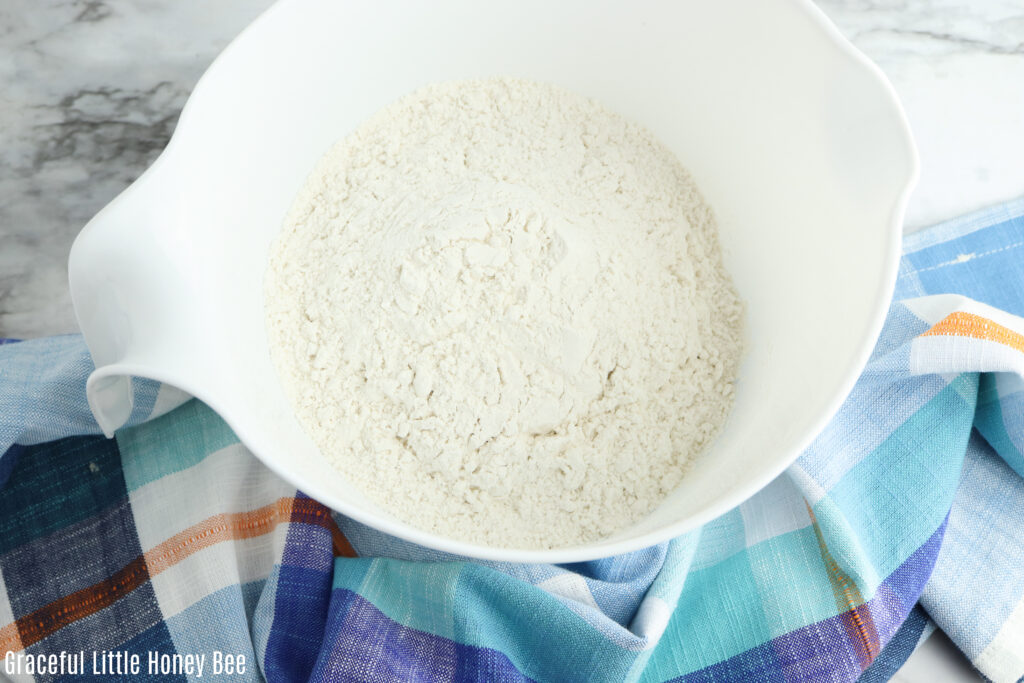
(500, 310)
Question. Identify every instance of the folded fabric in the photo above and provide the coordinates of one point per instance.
(173, 544)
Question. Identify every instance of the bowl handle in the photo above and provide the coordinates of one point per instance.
(140, 314)
(111, 397)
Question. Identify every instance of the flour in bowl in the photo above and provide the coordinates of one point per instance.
(500, 310)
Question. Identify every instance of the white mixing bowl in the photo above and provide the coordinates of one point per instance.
(796, 140)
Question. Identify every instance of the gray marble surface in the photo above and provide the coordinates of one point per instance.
(92, 89)
(958, 67)
(91, 92)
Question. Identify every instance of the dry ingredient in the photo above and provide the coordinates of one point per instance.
(500, 310)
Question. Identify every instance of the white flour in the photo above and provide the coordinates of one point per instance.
(500, 310)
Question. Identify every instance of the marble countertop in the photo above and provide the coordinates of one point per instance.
(92, 90)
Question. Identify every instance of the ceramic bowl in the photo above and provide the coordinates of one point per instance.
(796, 140)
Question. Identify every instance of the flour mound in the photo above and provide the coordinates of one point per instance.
(500, 310)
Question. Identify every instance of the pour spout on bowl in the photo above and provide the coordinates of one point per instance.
(137, 308)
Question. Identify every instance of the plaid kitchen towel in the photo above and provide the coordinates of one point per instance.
(170, 553)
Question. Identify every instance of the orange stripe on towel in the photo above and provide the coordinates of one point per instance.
(52, 617)
(308, 511)
(42, 622)
(854, 613)
(10, 641)
(977, 327)
(241, 525)
(216, 529)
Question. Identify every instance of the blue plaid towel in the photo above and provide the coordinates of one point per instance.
(170, 553)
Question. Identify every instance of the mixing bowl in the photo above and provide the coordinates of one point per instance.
(796, 140)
